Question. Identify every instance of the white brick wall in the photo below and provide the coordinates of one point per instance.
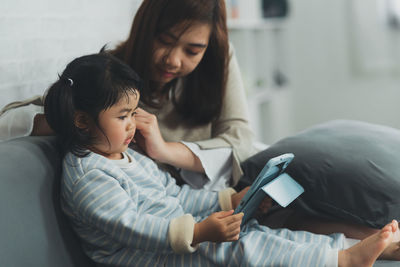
(38, 38)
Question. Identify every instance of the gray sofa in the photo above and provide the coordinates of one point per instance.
(34, 231)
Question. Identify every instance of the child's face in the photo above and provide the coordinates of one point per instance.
(119, 125)
(176, 55)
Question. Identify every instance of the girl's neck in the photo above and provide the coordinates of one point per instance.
(114, 156)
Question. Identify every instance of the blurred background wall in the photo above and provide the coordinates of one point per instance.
(325, 60)
(340, 58)
(37, 39)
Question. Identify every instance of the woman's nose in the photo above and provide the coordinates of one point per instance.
(173, 59)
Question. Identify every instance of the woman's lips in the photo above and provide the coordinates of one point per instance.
(167, 74)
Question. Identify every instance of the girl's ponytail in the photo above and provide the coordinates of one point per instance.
(59, 110)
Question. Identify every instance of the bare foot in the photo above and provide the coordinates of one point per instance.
(392, 252)
(365, 253)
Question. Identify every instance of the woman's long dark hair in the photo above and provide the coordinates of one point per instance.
(201, 101)
(89, 84)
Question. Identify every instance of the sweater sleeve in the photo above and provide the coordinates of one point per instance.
(198, 202)
(100, 202)
(224, 198)
(181, 231)
(232, 128)
(18, 122)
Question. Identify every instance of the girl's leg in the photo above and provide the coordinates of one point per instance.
(368, 250)
(300, 221)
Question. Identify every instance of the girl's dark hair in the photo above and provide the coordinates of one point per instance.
(202, 101)
(89, 84)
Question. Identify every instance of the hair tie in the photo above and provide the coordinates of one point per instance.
(70, 81)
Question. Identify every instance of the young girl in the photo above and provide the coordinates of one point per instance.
(128, 212)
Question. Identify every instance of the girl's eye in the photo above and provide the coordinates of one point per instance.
(122, 117)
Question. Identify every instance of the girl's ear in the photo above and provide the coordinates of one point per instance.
(81, 120)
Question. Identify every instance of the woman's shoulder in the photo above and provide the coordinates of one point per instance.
(232, 51)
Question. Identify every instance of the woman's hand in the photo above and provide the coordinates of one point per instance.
(148, 136)
(223, 226)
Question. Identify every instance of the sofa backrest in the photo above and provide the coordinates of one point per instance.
(35, 232)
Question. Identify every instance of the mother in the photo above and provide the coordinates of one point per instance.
(192, 85)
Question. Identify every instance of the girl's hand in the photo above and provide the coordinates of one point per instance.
(218, 227)
(148, 135)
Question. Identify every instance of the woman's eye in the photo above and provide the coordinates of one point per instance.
(122, 117)
(165, 41)
(192, 53)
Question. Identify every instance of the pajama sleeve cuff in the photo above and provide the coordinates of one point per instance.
(180, 234)
(224, 196)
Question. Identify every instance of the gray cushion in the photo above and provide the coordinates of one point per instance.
(350, 170)
(34, 230)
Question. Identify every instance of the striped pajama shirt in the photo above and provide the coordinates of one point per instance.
(124, 213)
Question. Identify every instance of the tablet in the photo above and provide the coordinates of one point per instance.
(273, 181)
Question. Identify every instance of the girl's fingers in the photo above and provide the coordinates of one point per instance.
(234, 218)
(233, 236)
(225, 213)
(230, 234)
(234, 227)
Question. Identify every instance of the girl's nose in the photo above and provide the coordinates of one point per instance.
(132, 124)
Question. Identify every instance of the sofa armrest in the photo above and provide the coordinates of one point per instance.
(35, 232)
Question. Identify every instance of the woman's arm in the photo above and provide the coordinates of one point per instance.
(23, 118)
(23, 121)
(40, 126)
(232, 129)
(149, 138)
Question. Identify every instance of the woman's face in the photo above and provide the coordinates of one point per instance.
(177, 54)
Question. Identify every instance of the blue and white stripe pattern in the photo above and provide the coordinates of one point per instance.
(122, 216)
